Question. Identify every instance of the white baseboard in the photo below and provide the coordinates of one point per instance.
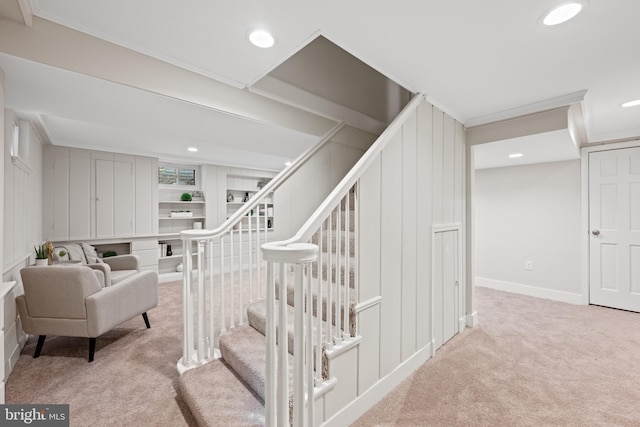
(472, 319)
(532, 291)
(376, 392)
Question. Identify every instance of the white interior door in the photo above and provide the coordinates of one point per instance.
(445, 283)
(614, 219)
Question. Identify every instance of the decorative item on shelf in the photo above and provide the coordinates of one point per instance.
(197, 195)
(246, 197)
(186, 197)
(268, 223)
(230, 197)
(108, 254)
(181, 214)
(50, 250)
(179, 268)
(263, 182)
(42, 254)
(197, 225)
(169, 251)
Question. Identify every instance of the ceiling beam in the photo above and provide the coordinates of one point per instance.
(53, 44)
(27, 12)
(531, 124)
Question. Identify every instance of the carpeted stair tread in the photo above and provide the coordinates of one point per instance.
(243, 349)
(330, 245)
(217, 397)
(257, 315)
(324, 285)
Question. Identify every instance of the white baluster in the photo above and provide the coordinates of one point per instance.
(308, 363)
(250, 239)
(212, 313)
(328, 267)
(347, 271)
(298, 344)
(241, 274)
(232, 284)
(283, 352)
(202, 345)
(223, 301)
(187, 351)
(319, 308)
(270, 370)
(339, 278)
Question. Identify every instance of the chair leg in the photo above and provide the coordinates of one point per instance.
(146, 320)
(92, 348)
(39, 346)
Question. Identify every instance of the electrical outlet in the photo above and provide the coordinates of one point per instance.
(528, 265)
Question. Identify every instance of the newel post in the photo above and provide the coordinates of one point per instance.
(278, 255)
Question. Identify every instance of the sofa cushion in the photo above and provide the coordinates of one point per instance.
(90, 253)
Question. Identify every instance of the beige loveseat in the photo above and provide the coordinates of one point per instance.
(115, 269)
(72, 301)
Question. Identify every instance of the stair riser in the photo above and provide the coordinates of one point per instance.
(352, 273)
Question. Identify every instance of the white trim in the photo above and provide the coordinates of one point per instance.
(368, 304)
(273, 88)
(535, 107)
(343, 347)
(379, 390)
(532, 291)
(26, 11)
(584, 189)
(326, 387)
(472, 320)
(441, 228)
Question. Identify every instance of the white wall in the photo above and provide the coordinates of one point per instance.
(22, 195)
(529, 213)
(301, 195)
(414, 184)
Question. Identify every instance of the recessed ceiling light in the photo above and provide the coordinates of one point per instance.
(192, 149)
(261, 38)
(562, 13)
(634, 103)
(515, 155)
(287, 164)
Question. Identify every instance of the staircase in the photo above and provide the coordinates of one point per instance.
(231, 389)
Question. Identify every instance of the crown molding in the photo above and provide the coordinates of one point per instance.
(536, 107)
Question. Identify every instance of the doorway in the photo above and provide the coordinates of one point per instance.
(614, 228)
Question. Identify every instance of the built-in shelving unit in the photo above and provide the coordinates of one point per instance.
(186, 216)
(241, 189)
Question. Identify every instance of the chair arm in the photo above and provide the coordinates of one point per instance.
(123, 262)
(118, 303)
(106, 270)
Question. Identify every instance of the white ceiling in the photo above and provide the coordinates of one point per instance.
(474, 59)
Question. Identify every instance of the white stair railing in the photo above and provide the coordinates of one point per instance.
(330, 225)
(224, 271)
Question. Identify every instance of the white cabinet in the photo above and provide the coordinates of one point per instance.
(13, 338)
(147, 253)
(98, 195)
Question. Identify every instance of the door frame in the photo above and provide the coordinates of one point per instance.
(584, 196)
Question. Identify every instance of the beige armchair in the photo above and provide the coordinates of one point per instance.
(115, 268)
(71, 301)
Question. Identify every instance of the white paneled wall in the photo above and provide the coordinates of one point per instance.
(414, 185)
(22, 194)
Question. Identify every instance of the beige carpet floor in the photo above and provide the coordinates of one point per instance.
(131, 382)
(530, 362)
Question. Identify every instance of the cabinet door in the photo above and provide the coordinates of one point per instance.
(79, 194)
(123, 199)
(104, 198)
(145, 190)
(56, 200)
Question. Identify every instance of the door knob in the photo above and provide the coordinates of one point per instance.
(595, 232)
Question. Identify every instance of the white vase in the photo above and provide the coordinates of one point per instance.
(41, 262)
